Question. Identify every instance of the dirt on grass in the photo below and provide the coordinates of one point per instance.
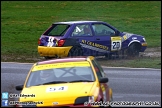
(150, 52)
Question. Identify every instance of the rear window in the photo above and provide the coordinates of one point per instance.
(57, 30)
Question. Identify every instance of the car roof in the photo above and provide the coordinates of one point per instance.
(67, 59)
(76, 22)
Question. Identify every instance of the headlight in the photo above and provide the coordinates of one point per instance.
(91, 99)
(144, 39)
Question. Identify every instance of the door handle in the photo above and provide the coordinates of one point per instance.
(97, 38)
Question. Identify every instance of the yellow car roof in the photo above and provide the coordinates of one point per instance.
(61, 65)
(63, 62)
(68, 59)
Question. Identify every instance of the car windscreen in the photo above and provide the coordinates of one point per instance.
(57, 30)
(61, 75)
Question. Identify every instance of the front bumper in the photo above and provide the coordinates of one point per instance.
(53, 51)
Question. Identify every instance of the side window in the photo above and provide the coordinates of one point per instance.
(102, 30)
(98, 71)
(82, 30)
(100, 68)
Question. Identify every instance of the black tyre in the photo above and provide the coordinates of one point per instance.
(133, 50)
(47, 58)
(75, 51)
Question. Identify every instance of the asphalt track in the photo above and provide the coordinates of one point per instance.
(137, 85)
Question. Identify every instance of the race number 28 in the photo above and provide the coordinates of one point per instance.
(116, 45)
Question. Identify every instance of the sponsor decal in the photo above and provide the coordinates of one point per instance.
(94, 45)
(57, 89)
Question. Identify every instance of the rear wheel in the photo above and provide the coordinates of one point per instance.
(47, 58)
(75, 51)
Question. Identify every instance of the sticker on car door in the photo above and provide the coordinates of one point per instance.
(116, 43)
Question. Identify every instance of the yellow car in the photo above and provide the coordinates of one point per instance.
(76, 81)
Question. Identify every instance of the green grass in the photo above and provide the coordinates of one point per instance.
(142, 62)
(22, 22)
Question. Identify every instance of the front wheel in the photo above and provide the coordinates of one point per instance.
(133, 50)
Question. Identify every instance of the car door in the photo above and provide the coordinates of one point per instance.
(83, 33)
(106, 36)
(104, 86)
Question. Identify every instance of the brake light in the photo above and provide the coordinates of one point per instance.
(61, 43)
(39, 41)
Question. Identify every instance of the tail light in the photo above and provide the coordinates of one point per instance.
(61, 43)
(39, 41)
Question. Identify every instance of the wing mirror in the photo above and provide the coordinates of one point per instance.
(103, 80)
(19, 87)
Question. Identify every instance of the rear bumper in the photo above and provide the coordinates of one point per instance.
(54, 51)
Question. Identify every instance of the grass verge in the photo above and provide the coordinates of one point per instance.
(22, 23)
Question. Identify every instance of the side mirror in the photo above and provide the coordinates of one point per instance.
(19, 87)
(103, 80)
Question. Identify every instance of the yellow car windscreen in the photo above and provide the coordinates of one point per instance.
(61, 73)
